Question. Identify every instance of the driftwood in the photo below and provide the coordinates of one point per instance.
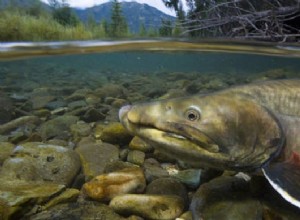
(239, 18)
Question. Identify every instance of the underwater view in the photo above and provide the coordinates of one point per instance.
(69, 149)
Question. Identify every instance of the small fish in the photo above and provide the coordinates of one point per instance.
(244, 128)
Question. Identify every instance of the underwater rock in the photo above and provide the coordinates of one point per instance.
(153, 170)
(6, 108)
(22, 121)
(6, 150)
(69, 195)
(84, 210)
(160, 207)
(107, 186)
(92, 99)
(77, 104)
(79, 94)
(41, 101)
(111, 90)
(42, 162)
(136, 157)
(56, 104)
(118, 103)
(95, 156)
(189, 177)
(80, 129)
(115, 133)
(168, 186)
(20, 196)
(138, 144)
(117, 165)
(225, 197)
(93, 115)
(57, 126)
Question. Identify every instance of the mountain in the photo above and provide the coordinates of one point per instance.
(21, 3)
(135, 14)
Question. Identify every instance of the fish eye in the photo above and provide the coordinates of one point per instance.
(192, 114)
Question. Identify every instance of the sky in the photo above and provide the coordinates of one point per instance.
(90, 3)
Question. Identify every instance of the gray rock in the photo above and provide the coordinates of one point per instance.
(158, 207)
(57, 126)
(42, 162)
(115, 133)
(6, 150)
(6, 108)
(95, 156)
(20, 196)
(136, 157)
(225, 198)
(168, 186)
(153, 170)
(86, 210)
(189, 177)
(41, 101)
(77, 104)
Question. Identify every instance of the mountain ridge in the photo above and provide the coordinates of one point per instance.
(135, 14)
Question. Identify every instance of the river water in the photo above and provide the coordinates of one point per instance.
(92, 80)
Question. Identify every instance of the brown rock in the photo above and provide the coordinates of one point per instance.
(107, 186)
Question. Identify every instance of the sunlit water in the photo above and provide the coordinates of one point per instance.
(140, 71)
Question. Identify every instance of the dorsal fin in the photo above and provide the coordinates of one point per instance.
(285, 179)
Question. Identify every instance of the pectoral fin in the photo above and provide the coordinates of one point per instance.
(285, 179)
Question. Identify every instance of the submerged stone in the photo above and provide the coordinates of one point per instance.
(85, 210)
(6, 150)
(42, 162)
(225, 198)
(115, 133)
(20, 196)
(95, 156)
(107, 186)
(160, 207)
(57, 126)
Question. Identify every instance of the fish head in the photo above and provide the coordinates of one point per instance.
(221, 131)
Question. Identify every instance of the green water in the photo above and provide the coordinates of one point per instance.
(18, 68)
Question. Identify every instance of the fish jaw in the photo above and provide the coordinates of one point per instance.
(167, 142)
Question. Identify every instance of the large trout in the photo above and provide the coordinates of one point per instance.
(243, 128)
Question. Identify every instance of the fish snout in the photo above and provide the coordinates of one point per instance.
(123, 111)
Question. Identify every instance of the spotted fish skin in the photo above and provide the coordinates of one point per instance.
(244, 128)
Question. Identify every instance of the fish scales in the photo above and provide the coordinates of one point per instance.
(282, 97)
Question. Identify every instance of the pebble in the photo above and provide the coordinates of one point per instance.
(136, 157)
(138, 144)
(160, 207)
(35, 161)
(115, 133)
(95, 156)
(107, 186)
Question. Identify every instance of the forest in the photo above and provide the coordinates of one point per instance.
(266, 20)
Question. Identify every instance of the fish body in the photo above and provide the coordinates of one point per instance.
(244, 128)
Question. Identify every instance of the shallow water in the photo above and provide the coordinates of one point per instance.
(48, 80)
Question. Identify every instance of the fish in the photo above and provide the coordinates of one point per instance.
(248, 128)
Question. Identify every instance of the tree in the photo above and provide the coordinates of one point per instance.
(256, 19)
(118, 25)
(62, 13)
(166, 28)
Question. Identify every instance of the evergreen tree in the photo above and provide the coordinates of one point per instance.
(142, 30)
(118, 25)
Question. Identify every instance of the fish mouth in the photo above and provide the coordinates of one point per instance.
(169, 136)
